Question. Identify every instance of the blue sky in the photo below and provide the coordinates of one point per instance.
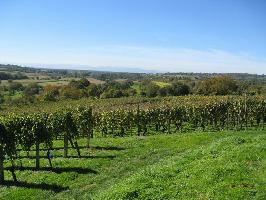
(165, 35)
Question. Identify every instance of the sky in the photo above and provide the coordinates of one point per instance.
(162, 35)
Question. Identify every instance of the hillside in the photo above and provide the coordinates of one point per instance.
(214, 165)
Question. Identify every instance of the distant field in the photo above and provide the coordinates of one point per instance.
(47, 81)
(161, 84)
(40, 81)
(217, 165)
(95, 81)
(137, 84)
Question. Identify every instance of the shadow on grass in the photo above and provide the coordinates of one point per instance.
(71, 156)
(110, 148)
(93, 157)
(57, 170)
(42, 186)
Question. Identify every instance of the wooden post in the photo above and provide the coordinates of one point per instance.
(90, 132)
(2, 178)
(246, 114)
(89, 135)
(65, 145)
(138, 122)
(75, 146)
(13, 170)
(49, 156)
(18, 157)
(37, 154)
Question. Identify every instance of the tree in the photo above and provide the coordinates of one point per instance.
(69, 92)
(32, 89)
(112, 93)
(220, 85)
(178, 89)
(130, 92)
(149, 89)
(73, 83)
(80, 84)
(163, 91)
(84, 82)
(95, 90)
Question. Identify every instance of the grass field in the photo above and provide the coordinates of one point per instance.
(48, 81)
(216, 165)
(136, 86)
(161, 84)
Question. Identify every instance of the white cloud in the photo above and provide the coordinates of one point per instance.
(163, 59)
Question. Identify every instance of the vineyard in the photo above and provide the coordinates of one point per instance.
(28, 131)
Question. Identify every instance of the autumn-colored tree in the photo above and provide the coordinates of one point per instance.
(50, 93)
(220, 85)
(69, 92)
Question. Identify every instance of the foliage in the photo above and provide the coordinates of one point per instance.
(15, 86)
(149, 89)
(32, 89)
(94, 90)
(209, 115)
(223, 85)
(79, 84)
(178, 89)
(9, 76)
(117, 89)
(51, 93)
(68, 92)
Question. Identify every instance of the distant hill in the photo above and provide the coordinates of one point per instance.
(119, 72)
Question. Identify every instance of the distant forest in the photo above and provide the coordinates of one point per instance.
(23, 85)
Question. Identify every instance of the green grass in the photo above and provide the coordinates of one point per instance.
(161, 84)
(217, 165)
(136, 86)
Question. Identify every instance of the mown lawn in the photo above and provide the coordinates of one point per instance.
(217, 165)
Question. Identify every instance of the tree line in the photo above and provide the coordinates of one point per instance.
(82, 88)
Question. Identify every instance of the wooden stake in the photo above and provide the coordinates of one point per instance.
(37, 154)
(65, 145)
